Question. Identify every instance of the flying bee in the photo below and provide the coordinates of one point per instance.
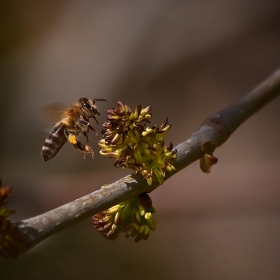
(73, 121)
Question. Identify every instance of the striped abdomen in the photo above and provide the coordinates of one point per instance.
(54, 142)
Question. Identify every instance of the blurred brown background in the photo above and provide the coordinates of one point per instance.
(187, 59)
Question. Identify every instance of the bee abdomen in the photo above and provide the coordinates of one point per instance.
(54, 142)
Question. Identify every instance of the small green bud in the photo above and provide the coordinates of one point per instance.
(132, 216)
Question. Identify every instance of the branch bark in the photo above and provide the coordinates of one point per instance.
(215, 130)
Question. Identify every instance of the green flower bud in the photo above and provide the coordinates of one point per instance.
(134, 217)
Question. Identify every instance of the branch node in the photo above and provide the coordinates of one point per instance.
(208, 159)
(218, 123)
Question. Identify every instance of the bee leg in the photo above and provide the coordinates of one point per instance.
(85, 134)
(92, 128)
(84, 148)
(95, 119)
(78, 144)
(85, 123)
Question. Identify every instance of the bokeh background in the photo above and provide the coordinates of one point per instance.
(187, 59)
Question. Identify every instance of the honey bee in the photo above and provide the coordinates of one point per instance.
(73, 121)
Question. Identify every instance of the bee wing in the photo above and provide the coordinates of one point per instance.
(52, 113)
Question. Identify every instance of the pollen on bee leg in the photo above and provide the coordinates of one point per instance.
(72, 139)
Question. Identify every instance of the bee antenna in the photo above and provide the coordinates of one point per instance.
(100, 100)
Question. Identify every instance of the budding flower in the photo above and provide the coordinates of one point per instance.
(11, 241)
(135, 145)
(145, 111)
(4, 195)
(147, 131)
(149, 180)
(134, 217)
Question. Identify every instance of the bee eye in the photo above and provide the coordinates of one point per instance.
(86, 106)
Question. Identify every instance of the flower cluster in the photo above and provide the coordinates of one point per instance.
(134, 217)
(128, 139)
(11, 241)
(4, 195)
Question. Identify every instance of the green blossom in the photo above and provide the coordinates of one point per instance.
(134, 217)
(4, 195)
(11, 241)
(128, 139)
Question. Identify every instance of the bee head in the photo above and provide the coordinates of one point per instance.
(89, 107)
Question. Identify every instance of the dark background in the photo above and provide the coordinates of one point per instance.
(187, 59)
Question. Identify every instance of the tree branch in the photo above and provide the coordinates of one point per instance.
(215, 130)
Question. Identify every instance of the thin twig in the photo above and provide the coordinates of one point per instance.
(215, 130)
